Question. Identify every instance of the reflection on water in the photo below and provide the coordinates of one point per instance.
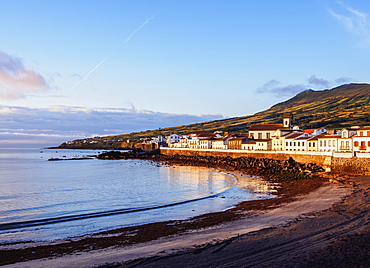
(197, 179)
(256, 184)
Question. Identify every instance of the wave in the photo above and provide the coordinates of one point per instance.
(31, 223)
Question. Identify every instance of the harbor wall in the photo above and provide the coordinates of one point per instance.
(339, 163)
(354, 165)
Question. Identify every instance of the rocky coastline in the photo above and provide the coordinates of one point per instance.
(269, 169)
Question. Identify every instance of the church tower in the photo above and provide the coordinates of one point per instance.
(288, 120)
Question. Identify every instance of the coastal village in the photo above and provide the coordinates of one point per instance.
(284, 137)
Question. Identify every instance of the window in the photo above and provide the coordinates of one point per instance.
(320, 143)
(368, 133)
(324, 143)
(355, 143)
(309, 144)
(299, 143)
(286, 144)
(267, 135)
(347, 144)
(259, 136)
(294, 144)
(302, 143)
(368, 143)
(363, 144)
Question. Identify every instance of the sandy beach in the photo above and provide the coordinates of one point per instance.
(310, 218)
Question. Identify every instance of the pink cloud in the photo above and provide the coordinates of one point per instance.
(16, 80)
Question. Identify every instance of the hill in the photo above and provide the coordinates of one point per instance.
(343, 106)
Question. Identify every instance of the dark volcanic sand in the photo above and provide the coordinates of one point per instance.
(337, 237)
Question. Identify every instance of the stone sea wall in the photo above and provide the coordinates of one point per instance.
(352, 165)
(319, 158)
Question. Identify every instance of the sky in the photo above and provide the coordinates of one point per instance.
(75, 69)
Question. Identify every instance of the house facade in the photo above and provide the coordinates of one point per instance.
(222, 143)
(361, 142)
(263, 145)
(278, 140)
(236, 142)
(172, 138)
(293, 143)
(328, 143)
(249, 145)
(263, 131)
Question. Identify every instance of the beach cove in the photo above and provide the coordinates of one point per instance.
(210, 229)
(50, 201)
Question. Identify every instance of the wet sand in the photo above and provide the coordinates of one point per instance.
(334, 237)
(309, 219)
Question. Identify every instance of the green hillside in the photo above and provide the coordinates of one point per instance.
(343, 106)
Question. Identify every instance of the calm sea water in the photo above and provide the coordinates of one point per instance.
(48, 200)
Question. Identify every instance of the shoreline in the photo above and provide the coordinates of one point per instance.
(338, 236)
(133, 238)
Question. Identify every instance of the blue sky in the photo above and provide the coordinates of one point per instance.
(137, 65)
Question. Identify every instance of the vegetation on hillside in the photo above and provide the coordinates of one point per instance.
(343, 106)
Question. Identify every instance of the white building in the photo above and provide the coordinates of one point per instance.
(172, 138)
(278, 139)
(293, 143)
(206, 143)
(312, 144)
(345, 142)
(263, 131)
(193, 140)
(315, 131)
(328, 143)
(263, 145)
(361, 142)
(222, 143)
(249, 145)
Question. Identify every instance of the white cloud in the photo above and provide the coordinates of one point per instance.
(343, 80)
(81, 122)
(17, 80)
(313, 80)
(276, 89)
(355, 22)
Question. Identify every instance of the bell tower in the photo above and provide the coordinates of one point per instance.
(288, 120)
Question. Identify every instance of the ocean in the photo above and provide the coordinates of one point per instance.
(43, 200)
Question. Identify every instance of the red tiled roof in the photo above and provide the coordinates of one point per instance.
(241, 134)
(365, 128)
(310, 130)
(294, 136)
(303, 138)
(238, 138)
(319, 137)
(249, 142)
(205, 135)
(265, 127)
(331, 137)
(197, 133)
(208, 138)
